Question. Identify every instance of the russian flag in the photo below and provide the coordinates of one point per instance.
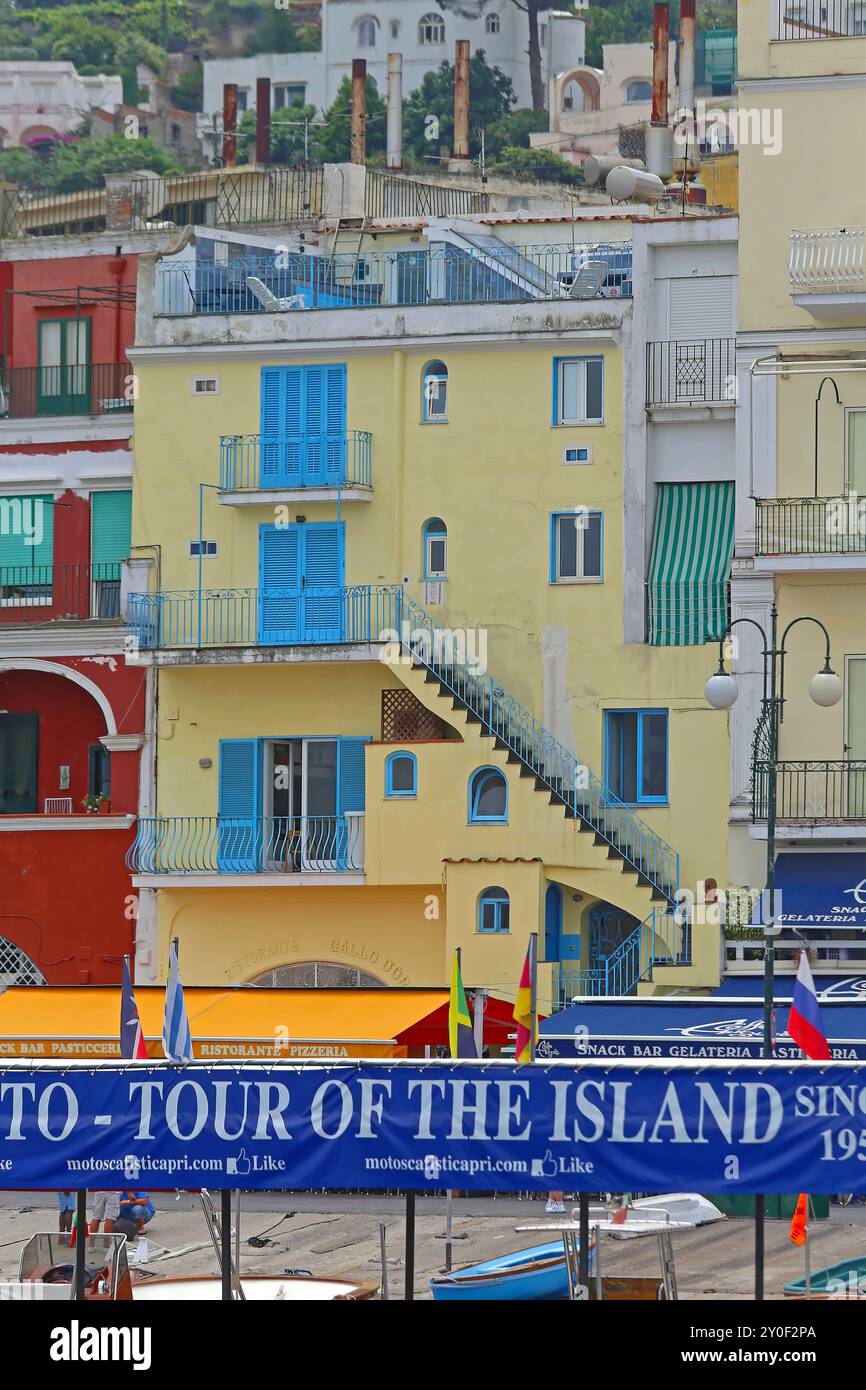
(804, 1019)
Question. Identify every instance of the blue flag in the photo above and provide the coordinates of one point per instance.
(131, 1040)
(176, 1040)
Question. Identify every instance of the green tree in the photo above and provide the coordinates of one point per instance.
(333, 137)
(538, 166)
(491, 96)
(514, 129)
(188, 92)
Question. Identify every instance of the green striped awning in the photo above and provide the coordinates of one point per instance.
(693, 543)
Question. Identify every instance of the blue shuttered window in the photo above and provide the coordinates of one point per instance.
(300, 583)
(303, 426)
(240, 805)
(350, 797)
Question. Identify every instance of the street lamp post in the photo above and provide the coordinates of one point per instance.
(721, 690)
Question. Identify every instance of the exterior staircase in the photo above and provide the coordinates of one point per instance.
(659, 940)
(556, 772)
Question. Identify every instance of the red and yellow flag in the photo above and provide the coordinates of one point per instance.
(800, 1220)
(524, 1048)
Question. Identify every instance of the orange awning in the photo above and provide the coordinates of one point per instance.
(83, 1021)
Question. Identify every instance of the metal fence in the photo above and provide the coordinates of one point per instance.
(689, 373)
(812, 790)
(251, 461)
(810, 525)
(818, 19)
(442, 274)
(31, 594)
(225, 199)
(260, 844)
(392, 196)
(87, 388)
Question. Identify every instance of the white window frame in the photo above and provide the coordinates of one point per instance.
(429, 539)
(206, 554)
(582, 418)
(849, 411)
(556, 575)
(431, 30)
(197, 383)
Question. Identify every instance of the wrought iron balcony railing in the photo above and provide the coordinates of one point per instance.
(31, 594)
(662, 939)
(250, 462)
(98, 388)
(827, 261)
(696, 372)
(810, 525)
(259, 845)
(818, 19)
(488, 274)
(832, 790)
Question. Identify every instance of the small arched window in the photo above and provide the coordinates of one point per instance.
(434, 393)
(367, 27)
(639, 91)
(401, 775)
(431, 29)
(493, 910)
(488, 797)
(435, 548)
(491, 24)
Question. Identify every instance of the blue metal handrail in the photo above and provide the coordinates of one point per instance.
(254, 461)
(234, 844)
(660, 939)
(481, 274)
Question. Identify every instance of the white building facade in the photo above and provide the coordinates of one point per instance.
(45, 99)
(423, 31)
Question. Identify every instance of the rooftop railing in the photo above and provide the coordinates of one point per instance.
(827, 260)
(818, 19)
(810, 525)
(88, 388)
(250, 462)
(698, 372)
(441, 274)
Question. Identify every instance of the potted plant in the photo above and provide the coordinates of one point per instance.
(96, 804)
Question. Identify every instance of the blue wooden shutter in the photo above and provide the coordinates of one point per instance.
(239, 834)
(323, 570)
(314, 426)
(280, 428)
(335, 425)
(350, 798)
(280, 584)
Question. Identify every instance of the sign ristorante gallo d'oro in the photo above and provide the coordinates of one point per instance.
(773, 1127)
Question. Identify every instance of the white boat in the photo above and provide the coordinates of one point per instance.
(682, 1208)
(256, 1289)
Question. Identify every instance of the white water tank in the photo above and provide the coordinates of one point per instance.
(597, 167)
(634, 185)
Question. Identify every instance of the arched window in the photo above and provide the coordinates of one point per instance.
(435, 548)
(639, 91)
(488, 796)
(431, 29)
(401, 775)
(491, 24)
(367, 27)
(434, 393)
(493, 910)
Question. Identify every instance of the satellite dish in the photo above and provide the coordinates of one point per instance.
(589, 280)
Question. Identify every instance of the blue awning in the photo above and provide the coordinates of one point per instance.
(692, 1028)
(821, 890)
(844, 988)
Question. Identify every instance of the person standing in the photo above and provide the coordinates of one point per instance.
(106, 1206)
(66, 1203)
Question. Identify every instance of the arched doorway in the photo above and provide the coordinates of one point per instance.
(609, 927)
(317, 974)
(16, 967)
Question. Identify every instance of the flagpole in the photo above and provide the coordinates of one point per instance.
(806, 1253)
(449, 1195)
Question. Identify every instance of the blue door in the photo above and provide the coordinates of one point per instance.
(300, 583)
(303, 426)
(553, 922)
(239, 827)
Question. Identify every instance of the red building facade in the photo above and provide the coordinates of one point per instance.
(72, 714)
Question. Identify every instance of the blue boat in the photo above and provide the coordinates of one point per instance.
(538, 1272)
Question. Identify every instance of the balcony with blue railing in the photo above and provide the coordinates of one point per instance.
(290, 845)
(252, 465)
(486, 272)
(664, 938)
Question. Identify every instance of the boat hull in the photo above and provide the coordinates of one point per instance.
(535, 1274)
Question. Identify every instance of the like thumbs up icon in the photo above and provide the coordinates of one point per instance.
(238, 1165)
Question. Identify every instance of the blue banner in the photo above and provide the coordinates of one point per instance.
(591, 1126)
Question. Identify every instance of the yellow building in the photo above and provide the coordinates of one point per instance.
(801, 465)
(389, 569)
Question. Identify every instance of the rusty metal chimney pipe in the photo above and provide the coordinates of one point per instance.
(661, 49)
(358, 147)
(230, 125)
(263, 120)
(687, 55)
(461, 100)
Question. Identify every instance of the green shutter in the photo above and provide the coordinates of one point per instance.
(111, 525)
(27, 537)
(693, 544)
